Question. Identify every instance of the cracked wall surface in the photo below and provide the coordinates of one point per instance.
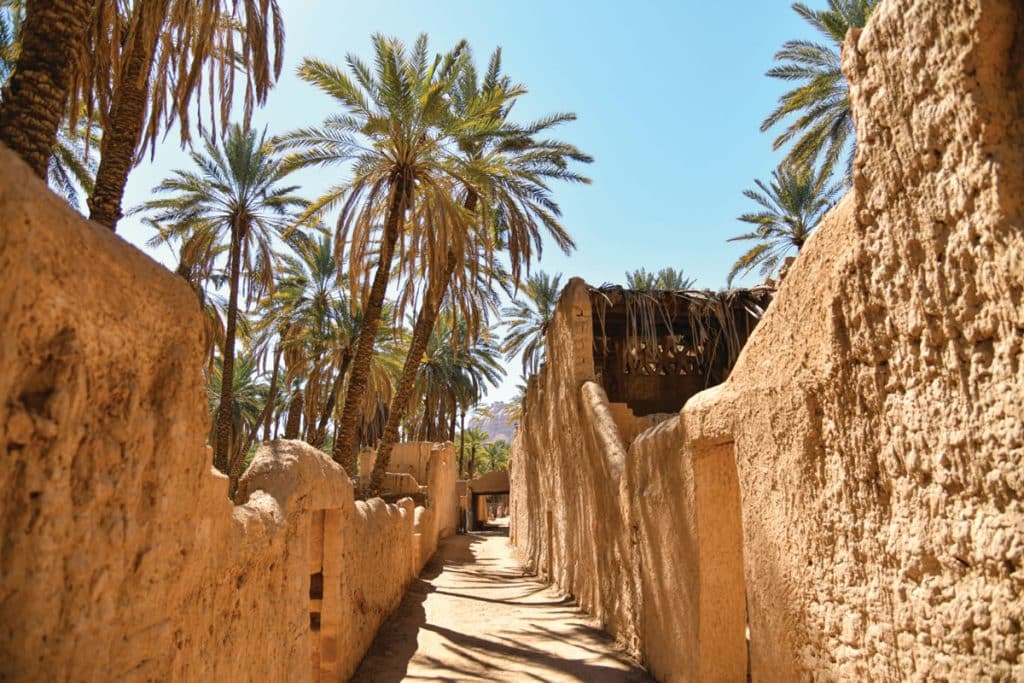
(874, 418)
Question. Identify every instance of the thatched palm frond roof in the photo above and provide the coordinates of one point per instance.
(705, 323)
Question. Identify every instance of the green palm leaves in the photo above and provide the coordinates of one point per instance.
(821, 127)
(396, 131)
(666, 278)
(236, 183)
(820, 131)
(791, 206)
(455, 372)
(528, 319)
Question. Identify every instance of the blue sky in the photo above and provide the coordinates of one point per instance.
(669, 96)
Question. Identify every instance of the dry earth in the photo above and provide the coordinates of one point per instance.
(474, 614)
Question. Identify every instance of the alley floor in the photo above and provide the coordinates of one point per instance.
(475, 615)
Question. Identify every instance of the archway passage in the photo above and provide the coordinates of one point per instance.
(487, 500)
(476, 615)
(490, 512)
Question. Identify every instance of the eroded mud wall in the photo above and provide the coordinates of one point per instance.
(442, 497)
(874, 420)
(883, 475)
(121, 557)
(566, 520)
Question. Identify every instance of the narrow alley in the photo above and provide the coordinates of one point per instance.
(474, 614)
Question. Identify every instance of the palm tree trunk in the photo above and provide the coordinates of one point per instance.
(428, 416)
(293, 424)
(320, 434)
(462, 442)
(235, 471)
(344, 450)
(268, 410)
(227, 376)
(421, 423)
(424, 327)
(127, 118)
(36, 97)
(420, 337)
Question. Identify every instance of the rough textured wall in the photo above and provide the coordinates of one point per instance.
(666, 552)
(441, 494)
(105, 491)
(566, 520)
(411, 457)
(874, 419)
(122, 557)
(377, 564)
(882, 476)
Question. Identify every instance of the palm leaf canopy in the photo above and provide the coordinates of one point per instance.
(398, 136)
(237, 183)
(790, 207)
(661, 326)
(818, 108)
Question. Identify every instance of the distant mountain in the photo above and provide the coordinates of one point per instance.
(497, 422)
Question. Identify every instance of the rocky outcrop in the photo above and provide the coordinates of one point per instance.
(859, 476)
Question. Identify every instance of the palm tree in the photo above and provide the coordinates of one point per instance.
(187, 45)
(73, 165)
(470, 440)
(823, 127)
(317, 326)
(666, 278)
(304, 298)
(236, 195)
(398, 130)
(517, 405)
(249, 394)
(496, 454)
(456, 370)
(71, 169)
(312, 327)
(528, 320)
(35, 97)
(792, 205)
(509, 196)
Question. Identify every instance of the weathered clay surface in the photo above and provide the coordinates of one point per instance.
(412, 458)
(874, 419)
(122, 557)
(887, 502)
(568, 459)
(443, 500)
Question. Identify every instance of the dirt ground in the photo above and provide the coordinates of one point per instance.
(474, 615)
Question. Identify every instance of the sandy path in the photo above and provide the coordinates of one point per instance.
(473, 616)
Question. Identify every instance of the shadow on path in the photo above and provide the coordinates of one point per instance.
(474, 614)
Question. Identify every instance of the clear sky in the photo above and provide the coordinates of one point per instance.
(669, 96)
